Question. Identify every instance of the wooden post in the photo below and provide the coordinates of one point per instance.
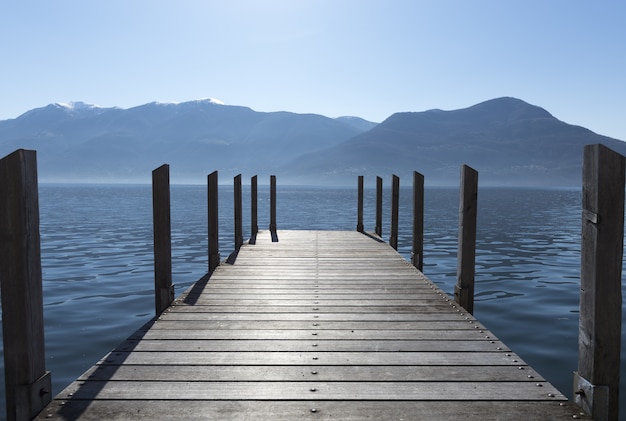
(28, 385)
(359, 223)
(468, 202)
(238, 213)
(395, 206)
(379, 207)
(213, 226)
(254, 210)
(273, 207)
(417, 255)
(161, 223)
(596, 383)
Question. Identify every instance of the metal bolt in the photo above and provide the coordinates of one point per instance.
(539, 385)
(313, 389)
(313, 410)
(499, 348)
(314, 333)
(314, 345)
(530, 376)
(550, 395)
(520, 368)
(313, 372)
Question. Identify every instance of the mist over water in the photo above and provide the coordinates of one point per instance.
(97, 261)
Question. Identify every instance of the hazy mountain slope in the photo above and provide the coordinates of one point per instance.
(507, 140)
(87, 143)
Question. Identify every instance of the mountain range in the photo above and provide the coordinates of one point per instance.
(509, 142)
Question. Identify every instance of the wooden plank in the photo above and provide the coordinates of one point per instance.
(322, 341)
(346, 391)
(370, 334)
(194, 313)
(299, 325)
(327, 309)
(240, 410)
(314, 357)
(309, 373)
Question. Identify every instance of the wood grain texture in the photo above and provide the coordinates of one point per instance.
(323, 325)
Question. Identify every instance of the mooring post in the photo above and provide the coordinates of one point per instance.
(466, 265)
(162, 229)
(417, 255)
(359, 223)
(238, 212)
(379, 207)
(596, 383)
(254, 210)
(273, 207)
(28, 385)
(395, 211)
(213, 225)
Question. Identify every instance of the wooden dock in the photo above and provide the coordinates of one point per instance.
(319, 325)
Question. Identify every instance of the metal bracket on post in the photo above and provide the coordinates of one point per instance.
(591, 398)
(34, 397)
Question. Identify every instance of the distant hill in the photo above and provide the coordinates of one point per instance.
(509, 142)
(80, 142)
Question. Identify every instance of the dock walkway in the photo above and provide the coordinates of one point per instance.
(319, 325)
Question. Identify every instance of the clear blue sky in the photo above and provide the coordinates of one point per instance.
(332, 57)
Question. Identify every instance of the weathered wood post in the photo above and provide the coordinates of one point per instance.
(213, 225)
(596, 383)
(395, 211)
(162, 229)
(273, 207)
(466, 265)
(28, 385)
(379, 207)
(359, 223)
(254, 210)
(238, 212)
(417, 255)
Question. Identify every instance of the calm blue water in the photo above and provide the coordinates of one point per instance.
(98, 277)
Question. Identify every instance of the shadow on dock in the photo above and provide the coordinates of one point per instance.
(94, 380)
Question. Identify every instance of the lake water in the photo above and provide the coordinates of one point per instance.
(97, 260)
